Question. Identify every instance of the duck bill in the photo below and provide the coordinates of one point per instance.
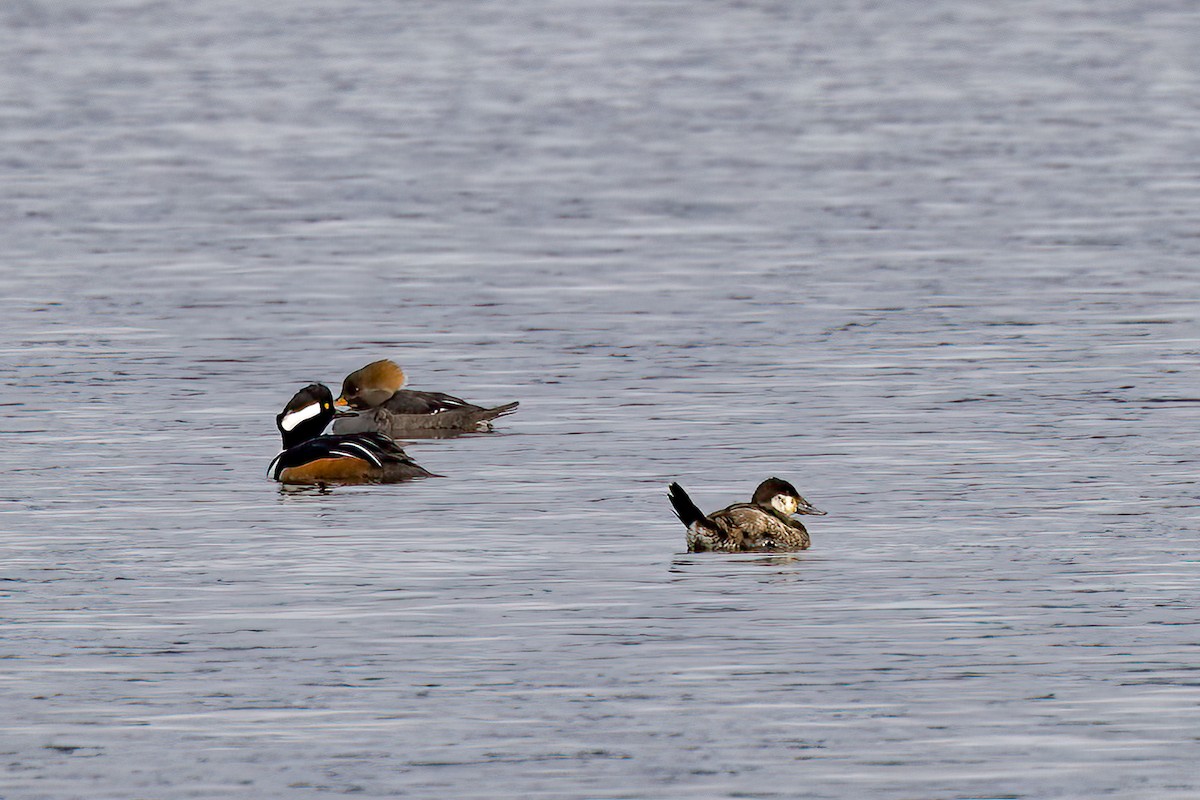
(808, 508)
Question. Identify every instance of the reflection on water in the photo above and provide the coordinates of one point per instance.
(934, 266)
(681, 564)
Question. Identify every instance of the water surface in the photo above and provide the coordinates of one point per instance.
(936, 266)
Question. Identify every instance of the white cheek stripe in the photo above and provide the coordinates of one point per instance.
(293, 419)
(782, 504)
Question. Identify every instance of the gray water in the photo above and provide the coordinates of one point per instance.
(938, 264)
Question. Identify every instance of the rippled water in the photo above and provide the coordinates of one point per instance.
(936, 265)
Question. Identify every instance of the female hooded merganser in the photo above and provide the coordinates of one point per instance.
(374, 391)
(765, 523)
(309, 458)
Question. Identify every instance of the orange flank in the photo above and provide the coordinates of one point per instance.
(331, 470)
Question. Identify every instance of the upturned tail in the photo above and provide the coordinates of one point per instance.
(499, 411)
(685, 509)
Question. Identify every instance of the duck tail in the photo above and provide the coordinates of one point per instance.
(500, 411)
(482, 418)
(685, 509)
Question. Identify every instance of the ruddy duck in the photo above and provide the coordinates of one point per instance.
(765, 523)
(308, 458)
(374, 392)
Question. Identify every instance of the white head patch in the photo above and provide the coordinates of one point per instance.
(784, 504)
(293, 419)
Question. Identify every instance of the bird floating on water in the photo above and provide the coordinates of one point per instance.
(764, 524)
(374, 392)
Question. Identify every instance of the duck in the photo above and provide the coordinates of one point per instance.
(382, 406)
(309, 458)
(763, 524)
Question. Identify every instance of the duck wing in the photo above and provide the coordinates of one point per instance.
(745, 526)
(410, 401)
(350, 458)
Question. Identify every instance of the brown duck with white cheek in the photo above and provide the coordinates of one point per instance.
(375, 393)
(763, 524)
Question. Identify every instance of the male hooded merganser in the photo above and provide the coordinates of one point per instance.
(374, 392)
(765, 523)
(312, 459)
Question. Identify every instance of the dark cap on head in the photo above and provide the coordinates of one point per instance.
(313, 393)
(771, 487)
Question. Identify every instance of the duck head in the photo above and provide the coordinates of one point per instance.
(372, 385)
(782, 497)
(305, 415)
